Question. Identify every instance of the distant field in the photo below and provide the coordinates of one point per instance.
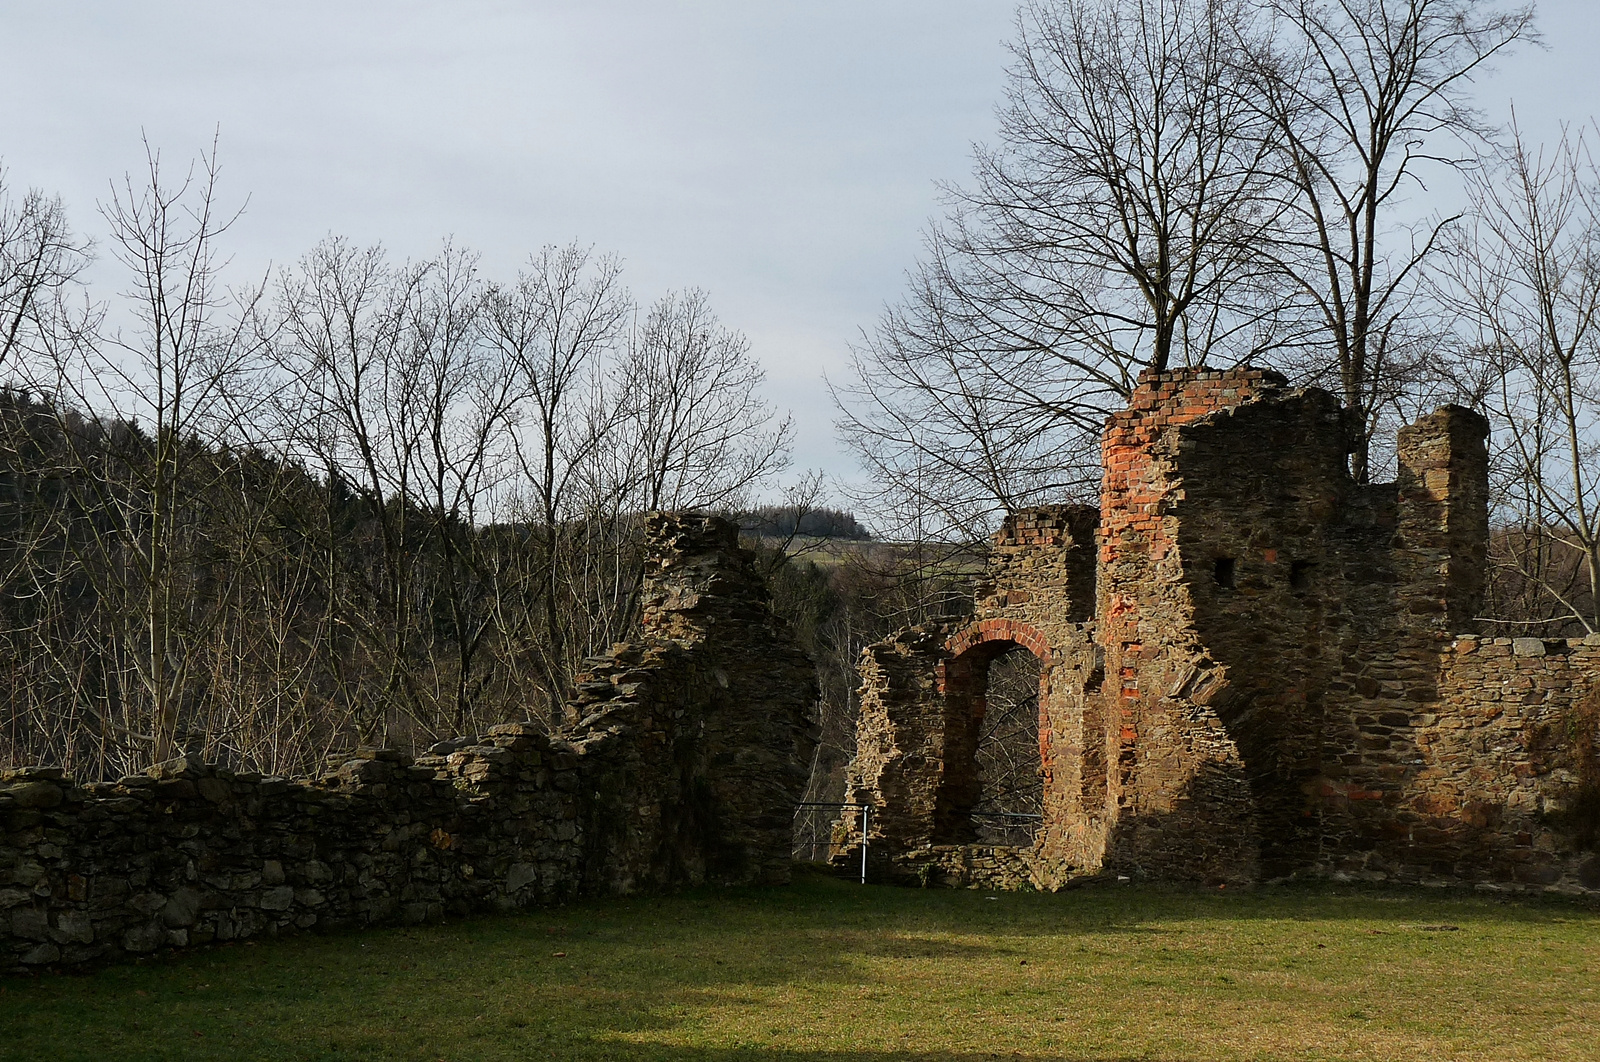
(827, 970)
(831, 552)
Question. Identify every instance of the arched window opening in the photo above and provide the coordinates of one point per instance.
(1010, 769)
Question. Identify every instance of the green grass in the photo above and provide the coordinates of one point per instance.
(827, 970)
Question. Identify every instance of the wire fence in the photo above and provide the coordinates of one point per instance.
(1006, 827)
(824, 833)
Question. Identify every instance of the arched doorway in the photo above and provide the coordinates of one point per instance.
(1010, 762)
(993, 770)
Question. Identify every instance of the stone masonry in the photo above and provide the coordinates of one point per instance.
(681, 763)
(1252, 668)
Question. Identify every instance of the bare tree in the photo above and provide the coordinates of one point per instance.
(396, 395)
(692, 417)
(40, 256)
(167, 388)
(1112, 229)
(463, 404)
(1363, 96)
(389, 502)
(1523, 277)
(557, 327)
(679, 423)
(338, 325)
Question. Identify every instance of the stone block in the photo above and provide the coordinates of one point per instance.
(143, 938)
(277, 899)
(33, 774)
(30, 923)
(73, 927)
(185, 767)
(41, 955)
(523, 729)
(34, 794)
(181, 908)
(519, 876)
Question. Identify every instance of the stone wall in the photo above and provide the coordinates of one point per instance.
(697, 742)
(1273, 678)
(1178, 793)
(1486, 782)
(684, 757)
(188, 854)
(900, 744)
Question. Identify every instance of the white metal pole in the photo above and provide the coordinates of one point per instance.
(866, 823)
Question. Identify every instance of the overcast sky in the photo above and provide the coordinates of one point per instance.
(781, 155)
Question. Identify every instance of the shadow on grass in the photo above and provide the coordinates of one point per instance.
(619, 979)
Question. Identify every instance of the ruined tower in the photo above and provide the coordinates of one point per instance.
(1252, 666)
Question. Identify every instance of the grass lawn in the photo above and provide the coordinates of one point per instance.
(828, 970)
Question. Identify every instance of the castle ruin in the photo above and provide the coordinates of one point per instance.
(1251, 668)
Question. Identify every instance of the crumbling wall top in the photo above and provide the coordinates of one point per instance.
(698, 576)
(1181, 395)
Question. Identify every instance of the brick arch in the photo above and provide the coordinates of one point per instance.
(1000, 630)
